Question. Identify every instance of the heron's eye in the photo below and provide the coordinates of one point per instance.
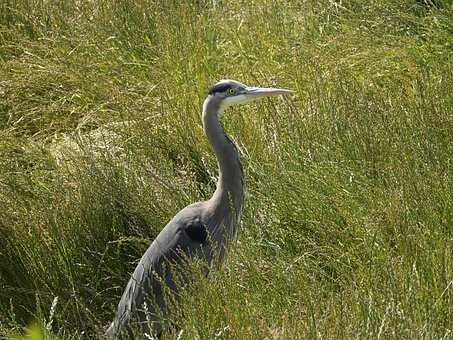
(231, 91)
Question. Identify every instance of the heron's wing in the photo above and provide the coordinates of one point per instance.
(183, 237)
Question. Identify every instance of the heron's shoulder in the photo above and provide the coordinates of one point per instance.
(190, 213)
(178, 231)
(189, 216)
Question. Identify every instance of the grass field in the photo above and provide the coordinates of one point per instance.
(348, 228)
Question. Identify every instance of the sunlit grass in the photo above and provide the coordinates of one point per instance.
(347, 231)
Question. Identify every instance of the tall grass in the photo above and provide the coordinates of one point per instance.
(348, 228)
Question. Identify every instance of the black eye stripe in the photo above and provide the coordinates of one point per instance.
(219, 88)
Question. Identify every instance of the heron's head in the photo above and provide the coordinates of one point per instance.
(231, 92)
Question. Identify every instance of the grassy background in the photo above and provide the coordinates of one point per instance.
(348, 225)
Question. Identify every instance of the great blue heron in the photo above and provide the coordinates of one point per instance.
(201, 230)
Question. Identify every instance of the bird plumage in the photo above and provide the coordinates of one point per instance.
(202, 230)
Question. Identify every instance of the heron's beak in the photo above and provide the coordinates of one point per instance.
(249, 94)
(259, 92)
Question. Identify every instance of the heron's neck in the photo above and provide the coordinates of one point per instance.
(230, 185)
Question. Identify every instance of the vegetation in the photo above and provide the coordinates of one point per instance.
(348, 229)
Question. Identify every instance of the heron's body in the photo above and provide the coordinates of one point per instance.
(201, 230)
